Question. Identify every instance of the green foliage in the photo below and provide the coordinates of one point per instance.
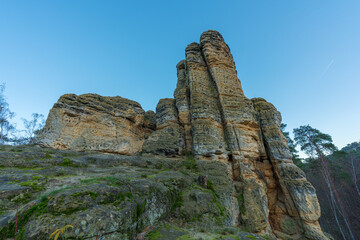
(159, 165)
(121, 197)
(313, 142)
(34, 211)
(290, 142)
(154, 235)
(15, 150)
(178, 202)
(36, 177)
(53, 193)
(33, 184)
(269, 237)
(128, 195)
(311, 163)
(343, 176)
(190, 162)
(67, 163)
(21, 198)
(241, 202)
(109, 180)
(140, 209)
(355, 147)
(216, 197)
(211, 186)
(93, 195)
(339, 164)
(251, 237)
(184, 172)
(292, 147)
(21, 234)
(165, 170)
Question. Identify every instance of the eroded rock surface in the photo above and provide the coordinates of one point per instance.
(269, 193)
(92, 122)
(212, 121)
(111, 196)
(168, 138)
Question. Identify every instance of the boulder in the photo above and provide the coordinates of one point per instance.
(92, 122)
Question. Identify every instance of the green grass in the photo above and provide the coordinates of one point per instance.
(178, 202)
(190, 163)
(23, 168)
(109, 179)
(140, 209)
(34, 211)
(67, 163)
(251, 237)
(24, 198)
(16, 150)
(93, 195)
(154, 235)
(45, 196)
(33, 184)
(36, 177)
(241, 202)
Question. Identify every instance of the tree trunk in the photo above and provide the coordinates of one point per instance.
(333, 193)
(353, 171)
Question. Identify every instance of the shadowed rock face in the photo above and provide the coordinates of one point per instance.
(211, 118)
(167, 139)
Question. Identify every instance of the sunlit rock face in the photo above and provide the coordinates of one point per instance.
(92, 122)
(210, 118)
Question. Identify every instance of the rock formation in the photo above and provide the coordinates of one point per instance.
(210, 118)
(93, 122)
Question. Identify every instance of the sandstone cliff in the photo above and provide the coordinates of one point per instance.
(210, 118)
(93, 122)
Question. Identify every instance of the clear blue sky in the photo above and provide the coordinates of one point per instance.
(303, 56)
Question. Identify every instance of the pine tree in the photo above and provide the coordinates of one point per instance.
(291, 145)
(318, 144)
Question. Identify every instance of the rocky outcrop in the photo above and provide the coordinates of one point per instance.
(270, 195)
(111, 196)
(211, 119)
(92, 122)
(295, 202)
(167, 139)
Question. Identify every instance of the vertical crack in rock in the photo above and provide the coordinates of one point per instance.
(299, 198)
(168, 137)
(241, 127)
(258, 184)
(182, 101)
(223, 122)
(208, 137)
